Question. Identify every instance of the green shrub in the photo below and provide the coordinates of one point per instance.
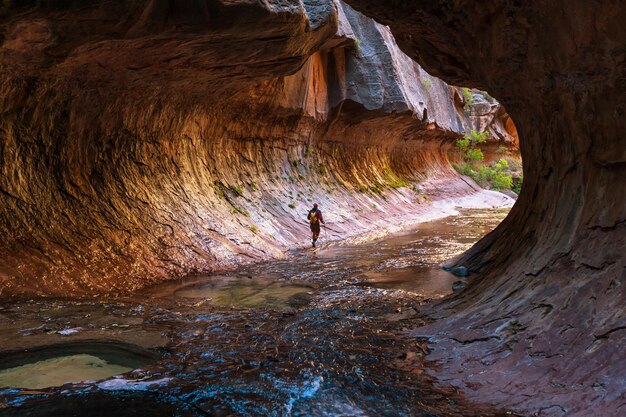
(463, 168)
(464, 143)
(469, 98)
(474, 155)
(502, 165)
(501, 181)
(476, 138)
(292, 205)
(469, 143)
(517, 184)
(496, 177)
(254, 229)
(514, 165)
(426, 83)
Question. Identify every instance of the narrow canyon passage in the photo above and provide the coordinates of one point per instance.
(320, 334)
(145, 141)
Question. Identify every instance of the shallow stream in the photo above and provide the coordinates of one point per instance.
(319, 334)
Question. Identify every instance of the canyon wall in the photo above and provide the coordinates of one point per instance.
(146, 140)
(542, 324)
(143, 140)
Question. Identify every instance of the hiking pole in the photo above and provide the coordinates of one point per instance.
(331, 229)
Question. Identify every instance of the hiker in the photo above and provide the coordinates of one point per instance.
(315, 218)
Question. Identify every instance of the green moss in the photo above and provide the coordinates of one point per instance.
(377, 189)
(253, 185)
(398, 183)
(487, 96)
(235, 209)
(218, 187)
(426, 83)
(237, 190)
(321, 170)
(292, 205)
(254, 229)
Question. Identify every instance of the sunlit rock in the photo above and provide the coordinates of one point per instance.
(142, 142)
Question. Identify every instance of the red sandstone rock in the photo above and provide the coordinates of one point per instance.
(145, 140)
(542, 326)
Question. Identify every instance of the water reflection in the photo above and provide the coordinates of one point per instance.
(236, 291)
(57, 364)
(322, 333)
(58, 371)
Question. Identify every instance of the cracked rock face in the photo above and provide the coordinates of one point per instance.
(542, 325)
(145, 140)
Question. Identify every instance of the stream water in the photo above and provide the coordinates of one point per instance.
(319, 334)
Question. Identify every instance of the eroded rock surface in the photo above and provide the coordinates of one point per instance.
(145, 140)
(542, 326)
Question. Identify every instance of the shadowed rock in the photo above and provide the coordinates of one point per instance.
(541, 327)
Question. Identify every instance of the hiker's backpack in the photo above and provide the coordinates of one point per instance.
(313, 216)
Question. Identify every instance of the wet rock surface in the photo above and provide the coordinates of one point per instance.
(345, 352)
(542, 328)
(118, 117)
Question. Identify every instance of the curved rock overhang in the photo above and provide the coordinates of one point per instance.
(542, 326)
(136, 136)
(145, 140)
